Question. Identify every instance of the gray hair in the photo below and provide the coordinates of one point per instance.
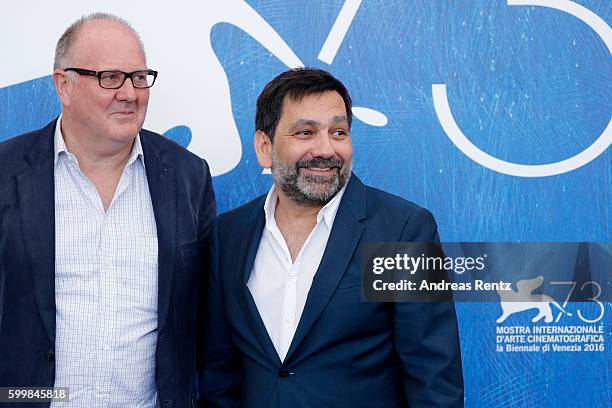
(63, 49)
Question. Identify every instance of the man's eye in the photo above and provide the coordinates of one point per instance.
(304, 133)
(340, 133)
(110, 77)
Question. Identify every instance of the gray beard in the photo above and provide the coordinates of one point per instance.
(310, 190)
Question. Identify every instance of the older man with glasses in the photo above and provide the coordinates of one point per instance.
(104, 231)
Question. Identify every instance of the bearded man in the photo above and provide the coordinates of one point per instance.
(287, 325)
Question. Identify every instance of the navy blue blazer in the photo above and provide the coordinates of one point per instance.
(345, 352)
(184, 206)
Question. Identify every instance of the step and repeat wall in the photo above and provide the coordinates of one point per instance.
(493, 114)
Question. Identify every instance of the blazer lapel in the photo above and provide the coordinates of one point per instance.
(343, 239)
(36, 200)
(162, 187)
(247, 253)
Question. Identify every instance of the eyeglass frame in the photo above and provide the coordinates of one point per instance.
(126, 75)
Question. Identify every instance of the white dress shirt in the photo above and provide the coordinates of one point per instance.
(278, 285)
(105, 286)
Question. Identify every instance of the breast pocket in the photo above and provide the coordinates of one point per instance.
(351, 278)
(138, 270)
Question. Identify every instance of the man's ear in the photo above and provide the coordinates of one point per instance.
(63, 86)
(263, 149)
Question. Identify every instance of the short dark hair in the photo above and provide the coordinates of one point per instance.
(296, 83)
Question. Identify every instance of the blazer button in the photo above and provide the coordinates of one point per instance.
(283, 373)
(50, 356)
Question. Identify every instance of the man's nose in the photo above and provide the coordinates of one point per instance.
(323, 146)
(127, 92)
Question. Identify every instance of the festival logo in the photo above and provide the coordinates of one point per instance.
(524, 299)
(547, 332)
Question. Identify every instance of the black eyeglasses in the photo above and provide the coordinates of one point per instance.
(115, 79)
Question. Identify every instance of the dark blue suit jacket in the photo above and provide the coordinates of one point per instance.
(184, 206)
(345, 353)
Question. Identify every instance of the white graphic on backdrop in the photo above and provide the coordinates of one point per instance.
(193, 88)
(445, 116)
(587, 336)
(338, 31)
(523, 299)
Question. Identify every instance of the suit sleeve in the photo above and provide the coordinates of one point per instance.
(219, 378)
(427, 337)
